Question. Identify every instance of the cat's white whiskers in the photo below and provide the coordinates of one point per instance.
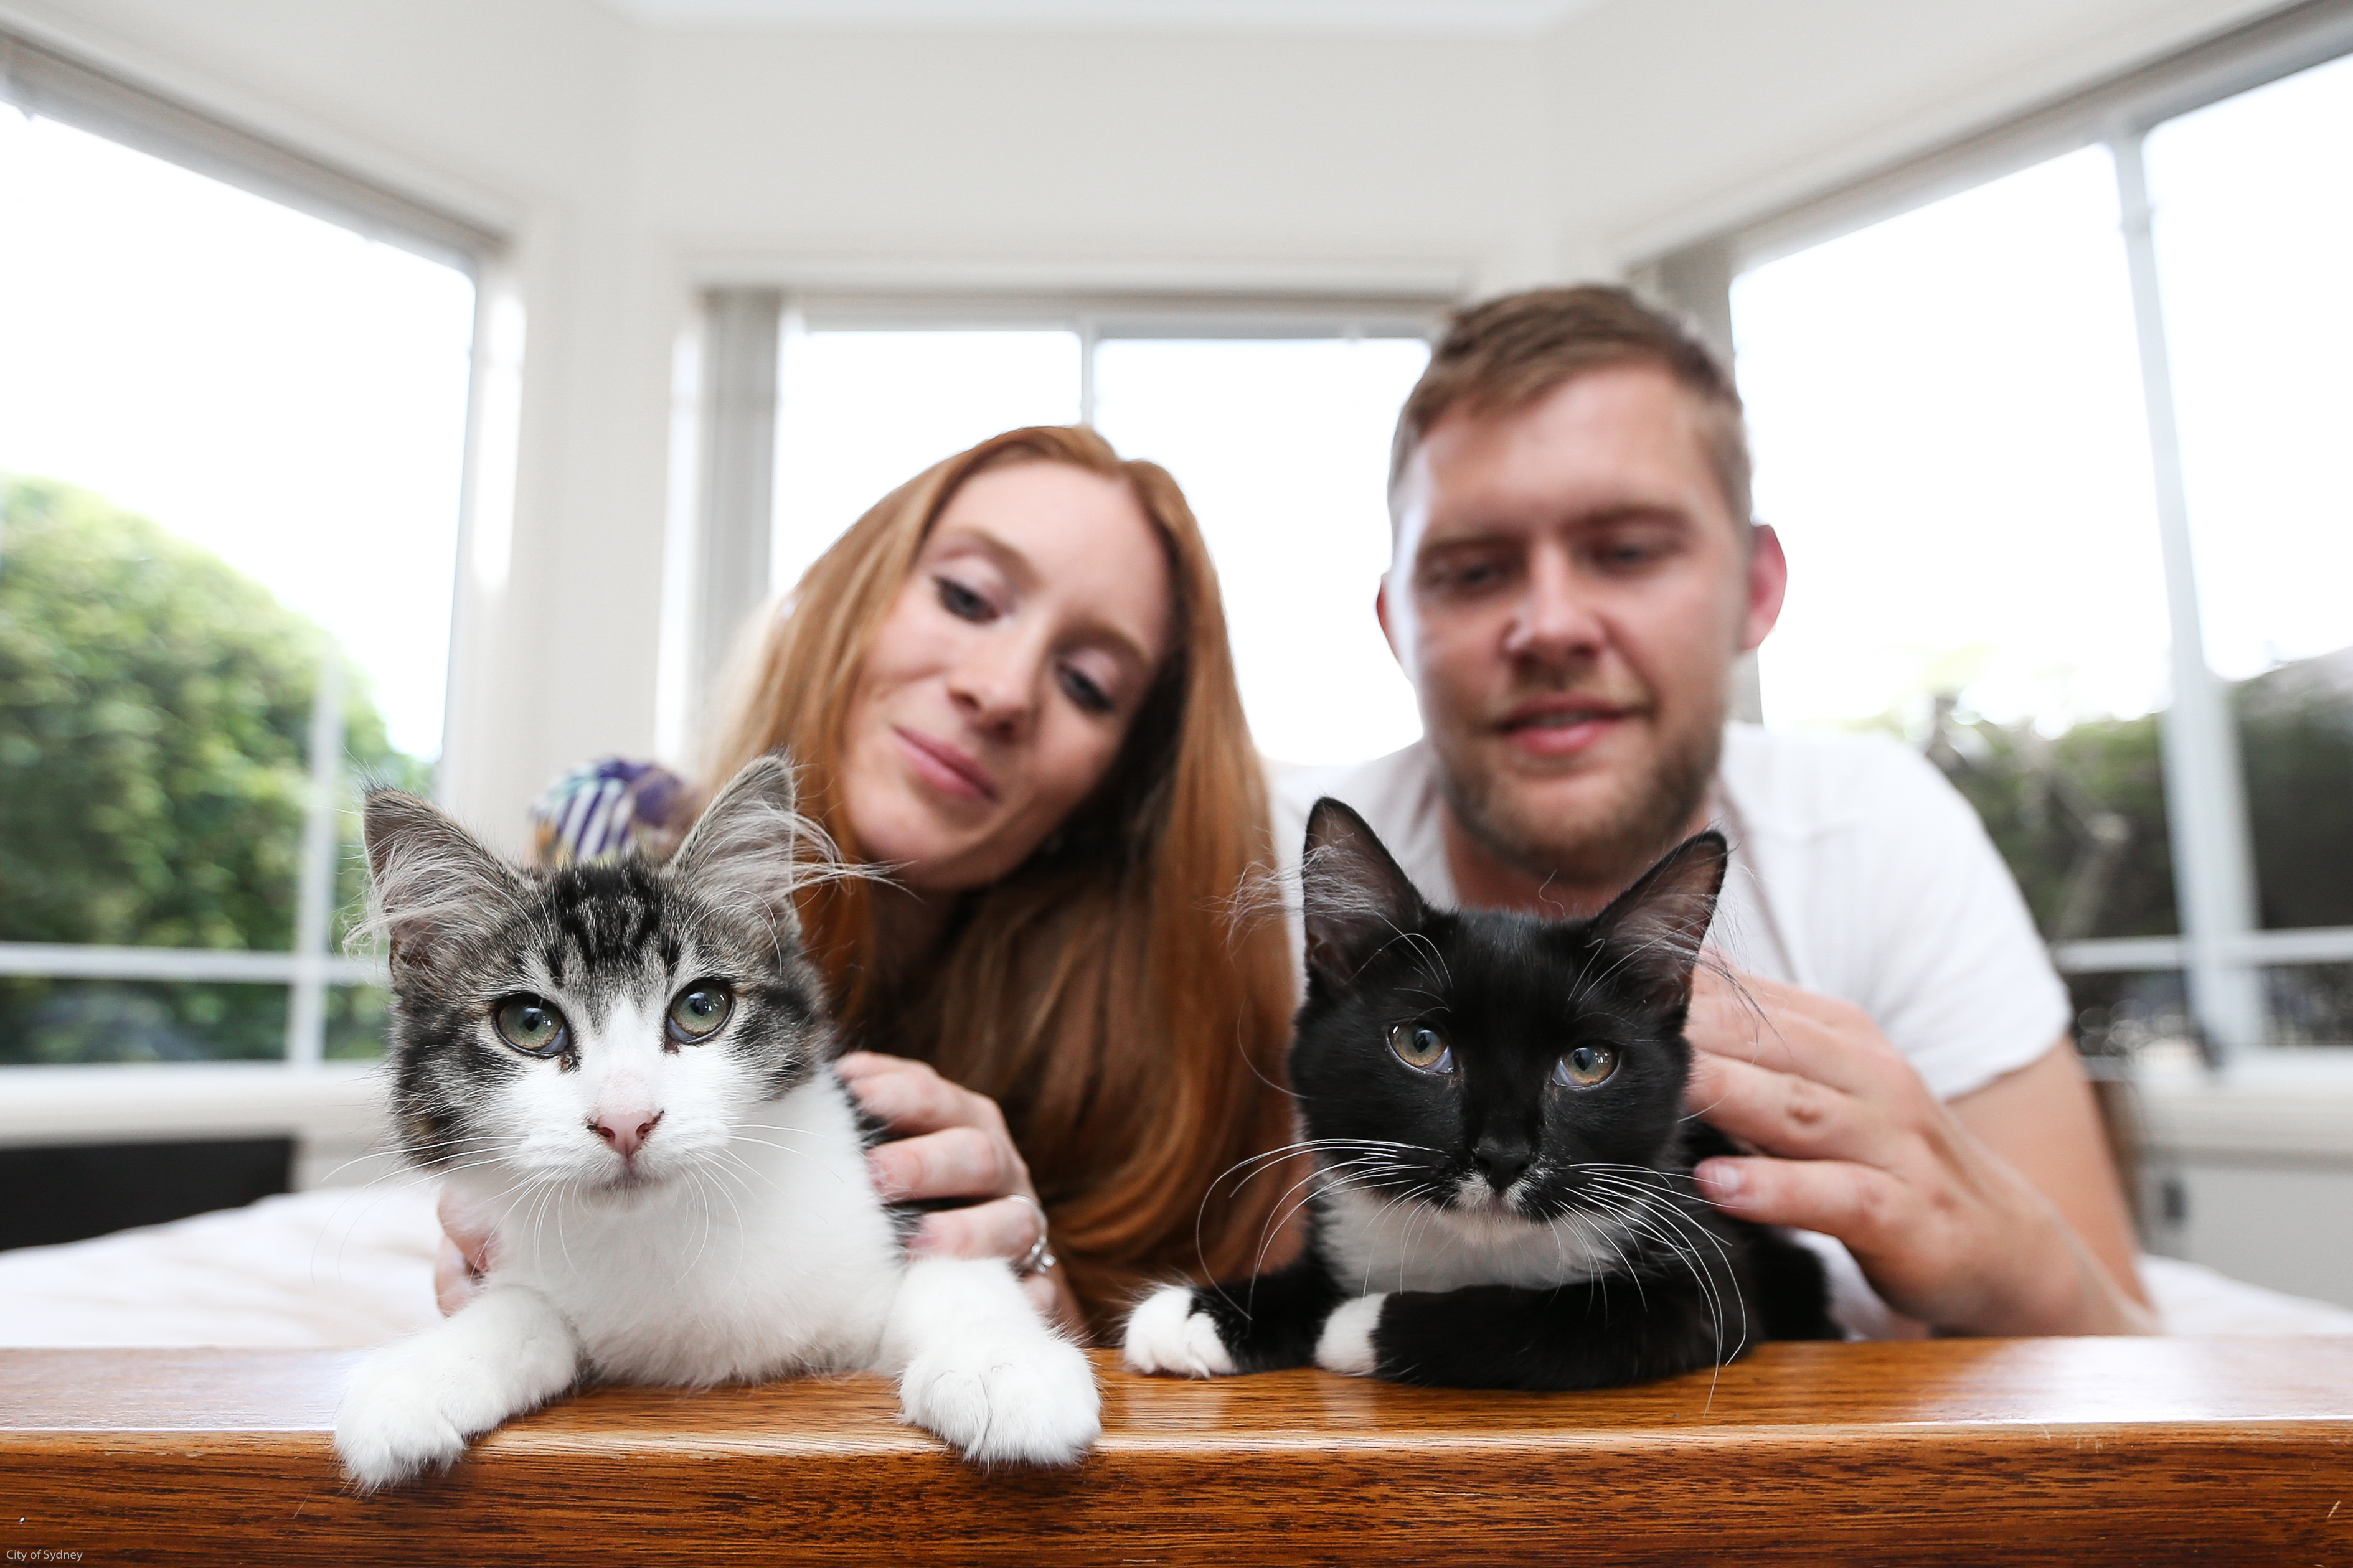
(786, 1149)
(377, 1153)
(1333, 1181)
(1278, 1216)
(1606, 1208)
(737, 1210)
(1256, 1166)
(1673, 1214)
(1408, 1196)
(1652, 1215)
(1614, 1241)
(1601, 1236)
(1312, 1145)
(698, 1183)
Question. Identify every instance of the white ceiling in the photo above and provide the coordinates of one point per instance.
(1484, 18)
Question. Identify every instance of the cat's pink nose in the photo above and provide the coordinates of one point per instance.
(626, 1131)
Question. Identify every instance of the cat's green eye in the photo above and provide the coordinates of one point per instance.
(1422, 1047)
(699, 1010)
(532, 1026)
(1585, 1065)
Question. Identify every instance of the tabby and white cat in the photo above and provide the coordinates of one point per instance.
(1502, 1195)
(628, 1064)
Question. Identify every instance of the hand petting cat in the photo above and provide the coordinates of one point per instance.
(949, 1144)
(1851, 1143)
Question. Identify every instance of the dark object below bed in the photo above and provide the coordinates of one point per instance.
(66, 1192)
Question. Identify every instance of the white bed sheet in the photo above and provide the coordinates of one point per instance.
(333, 1268)
(353, 1267)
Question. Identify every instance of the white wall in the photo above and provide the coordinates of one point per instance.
(2263, 1159)
(1683, 116)
(632, 166)
(2282, 1224)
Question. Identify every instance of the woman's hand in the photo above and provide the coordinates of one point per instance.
(953, 1143)
(465, 1254)
(1855, 1146)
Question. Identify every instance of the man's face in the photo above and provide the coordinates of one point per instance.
(1568, 593)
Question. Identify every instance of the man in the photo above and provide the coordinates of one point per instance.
(1575, 574)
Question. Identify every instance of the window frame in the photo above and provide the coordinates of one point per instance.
(737, 354)
(2221, 949)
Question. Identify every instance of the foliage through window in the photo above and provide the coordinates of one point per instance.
(230, 437)
(1951, 411)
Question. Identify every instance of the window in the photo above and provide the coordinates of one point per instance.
(2055, 458)
(2250, 200)
(1944, 505)
(1274, 419)
(1282, 447)
(231, 436)
(862, 411)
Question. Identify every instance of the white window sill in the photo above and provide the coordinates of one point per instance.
(339, 1103)
(2285, 1107)
(2279, 1108)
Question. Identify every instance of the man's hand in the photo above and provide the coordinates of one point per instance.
(953, 1143)
(1854, 1145)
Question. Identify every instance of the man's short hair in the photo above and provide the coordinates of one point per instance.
(1508, 352)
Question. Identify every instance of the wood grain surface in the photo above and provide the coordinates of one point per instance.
(1952, 1451)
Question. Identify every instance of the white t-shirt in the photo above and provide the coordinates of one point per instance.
(1857, 871)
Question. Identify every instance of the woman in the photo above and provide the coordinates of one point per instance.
(1009, 684)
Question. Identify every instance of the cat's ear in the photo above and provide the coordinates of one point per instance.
(1354, 897)
(1656, 926)
(434, 889)
(752, 846)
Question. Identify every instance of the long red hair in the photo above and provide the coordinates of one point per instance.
(1108, 994)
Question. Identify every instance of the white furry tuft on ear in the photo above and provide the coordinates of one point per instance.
(752, 849)
(431, 884)
(1354, 897)
(1662, 920)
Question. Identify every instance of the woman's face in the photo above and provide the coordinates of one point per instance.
(997, 692)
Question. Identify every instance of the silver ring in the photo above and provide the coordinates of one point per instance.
(1040, 1257)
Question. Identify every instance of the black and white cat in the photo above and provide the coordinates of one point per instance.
(628, 1064)
(1494, 1105)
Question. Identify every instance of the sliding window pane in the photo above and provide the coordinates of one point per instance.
(2309, 1003)
(356, 1020)
(1283, 448)
(230, 442)
(2254, 224)
(1947, 416)
(861, 413)
(52, 1022)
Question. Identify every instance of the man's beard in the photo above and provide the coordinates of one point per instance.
(1610, 846)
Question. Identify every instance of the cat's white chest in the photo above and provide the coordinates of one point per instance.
(1376, 1242)
(776, 1257)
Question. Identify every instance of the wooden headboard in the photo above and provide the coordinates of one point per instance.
(1948, 1451)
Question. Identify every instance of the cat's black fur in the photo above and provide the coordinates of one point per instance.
(1522, 1230)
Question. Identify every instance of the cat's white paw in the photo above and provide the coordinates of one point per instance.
(414, 1405)
(1028, 1400)
(1165, 1335)
(391, 1426)
(1347, 1341)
